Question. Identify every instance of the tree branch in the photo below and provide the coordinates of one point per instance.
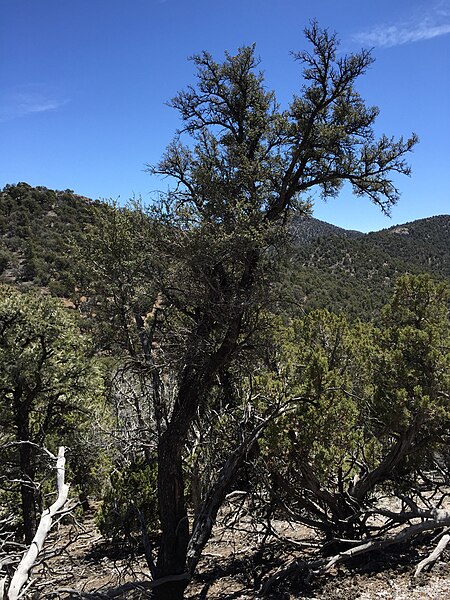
(23, 570)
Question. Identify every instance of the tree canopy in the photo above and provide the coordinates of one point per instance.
(247, 164)
(48, 385)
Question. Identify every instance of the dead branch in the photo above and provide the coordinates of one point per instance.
(23, 570)
(206, 518)
(432, 558)
(107, 594)
(440, 518)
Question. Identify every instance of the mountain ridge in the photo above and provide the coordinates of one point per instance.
(326, 266)
(307, 228)
(356, 274)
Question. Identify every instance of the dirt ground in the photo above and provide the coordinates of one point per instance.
(231, 568)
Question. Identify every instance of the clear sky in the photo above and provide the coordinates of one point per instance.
(84, 85)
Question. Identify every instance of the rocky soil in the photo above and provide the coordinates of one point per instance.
(79, 564)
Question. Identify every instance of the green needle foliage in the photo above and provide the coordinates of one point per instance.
(412, 369)
(48, 387)
(369, 407)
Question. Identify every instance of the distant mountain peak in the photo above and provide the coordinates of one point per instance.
(305, 229)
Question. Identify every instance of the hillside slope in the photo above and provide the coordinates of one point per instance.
(356, 273)
(306, 229)
(37, 226)
(327, 266)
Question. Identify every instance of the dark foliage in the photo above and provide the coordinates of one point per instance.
(355, 273)
(328, 267)
(38, 229)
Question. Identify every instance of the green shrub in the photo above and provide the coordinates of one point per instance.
(132, 491)
(5, 258)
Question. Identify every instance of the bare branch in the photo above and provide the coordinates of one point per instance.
(23, 570)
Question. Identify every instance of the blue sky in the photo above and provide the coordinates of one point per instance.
(84, 85)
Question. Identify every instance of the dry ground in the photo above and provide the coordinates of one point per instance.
(231, 569)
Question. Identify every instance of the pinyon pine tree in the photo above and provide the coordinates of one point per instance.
(246, 164)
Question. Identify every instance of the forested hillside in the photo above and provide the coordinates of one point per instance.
(355, 273)
(327, 266)
(38, 229)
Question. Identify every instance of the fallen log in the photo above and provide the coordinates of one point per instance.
(432, 558)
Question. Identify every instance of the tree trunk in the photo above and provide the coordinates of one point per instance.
(27, 476)
(171, 575)
(174, 520)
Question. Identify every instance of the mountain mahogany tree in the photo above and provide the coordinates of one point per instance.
(248, 164)
(210, 248)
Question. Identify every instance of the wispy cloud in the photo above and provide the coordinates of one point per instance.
(434, 24)
(21, 104)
